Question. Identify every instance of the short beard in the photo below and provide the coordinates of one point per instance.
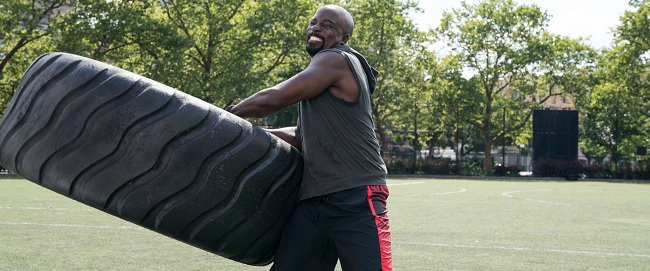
(313, 51)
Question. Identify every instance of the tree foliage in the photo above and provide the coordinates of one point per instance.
(634, 39)
(392, 43)
(513, 59)
(25, 33)
(218, 51)
(501, 64)
(615, 114)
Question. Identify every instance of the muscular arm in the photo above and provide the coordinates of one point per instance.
(328, 70)
(289, 134)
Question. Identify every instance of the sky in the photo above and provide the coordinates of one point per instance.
(592, 20)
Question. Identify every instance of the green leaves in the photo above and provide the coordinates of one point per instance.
(515, 62)
(616, 117)
(25, 34)
(497, 54)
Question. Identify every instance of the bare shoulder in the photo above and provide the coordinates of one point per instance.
(333, 67)
(328, 59)
(330, 64)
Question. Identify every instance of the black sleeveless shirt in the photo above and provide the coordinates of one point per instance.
(339, 144)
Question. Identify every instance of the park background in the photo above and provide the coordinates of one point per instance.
(439, 109)
(436, 224)
(455, 97)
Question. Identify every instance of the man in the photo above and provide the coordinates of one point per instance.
(342, 210)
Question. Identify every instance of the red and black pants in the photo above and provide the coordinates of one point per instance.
(350, 226)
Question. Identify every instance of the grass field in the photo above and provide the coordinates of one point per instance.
(437, 224)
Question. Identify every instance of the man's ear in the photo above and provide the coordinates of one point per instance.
(346, 38)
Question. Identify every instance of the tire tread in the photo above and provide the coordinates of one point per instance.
(152, 155)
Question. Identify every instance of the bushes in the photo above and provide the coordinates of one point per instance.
(512, 171)
(428, 166)
(471, 167)
(445, 166)
(432, 166)
(399, 166)
(597, 171)
(435, 166)
(561, 168)
(543, 168)
(636, 172)
(557, 168)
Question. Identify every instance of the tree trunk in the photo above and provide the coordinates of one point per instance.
(383, 142)
(487, 161)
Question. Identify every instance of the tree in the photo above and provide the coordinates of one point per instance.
(611, 121)
(235, 44)
(632, 35)
(133, 35)
(390, 40)
(219, 51)
(615, 115)
(456, 98)
(416, 109)
(514, 63)
(25, 33)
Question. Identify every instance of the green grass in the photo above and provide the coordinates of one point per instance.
(436, 225)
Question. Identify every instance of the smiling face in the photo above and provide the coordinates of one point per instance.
(330, 26)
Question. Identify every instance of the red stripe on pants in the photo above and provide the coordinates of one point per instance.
(377, 194)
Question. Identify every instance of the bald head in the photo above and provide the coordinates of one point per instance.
(347, 20)
(330, 26)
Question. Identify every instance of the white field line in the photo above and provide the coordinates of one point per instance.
(460, 190)
(68, 225)
(405, 243)
(529, 249)
(509, 195)
(47, 209)
(398, 184)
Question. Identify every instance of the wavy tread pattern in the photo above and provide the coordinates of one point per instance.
(151, 155)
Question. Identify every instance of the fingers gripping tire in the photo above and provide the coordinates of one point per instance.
(152, 155)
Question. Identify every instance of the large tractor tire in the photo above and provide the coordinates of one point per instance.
(152, 155)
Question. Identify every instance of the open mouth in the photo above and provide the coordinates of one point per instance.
(314, 40)
(314, 44)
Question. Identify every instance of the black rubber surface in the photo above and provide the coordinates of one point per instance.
(152, 155)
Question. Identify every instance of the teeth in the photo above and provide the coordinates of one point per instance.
(314, 38)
